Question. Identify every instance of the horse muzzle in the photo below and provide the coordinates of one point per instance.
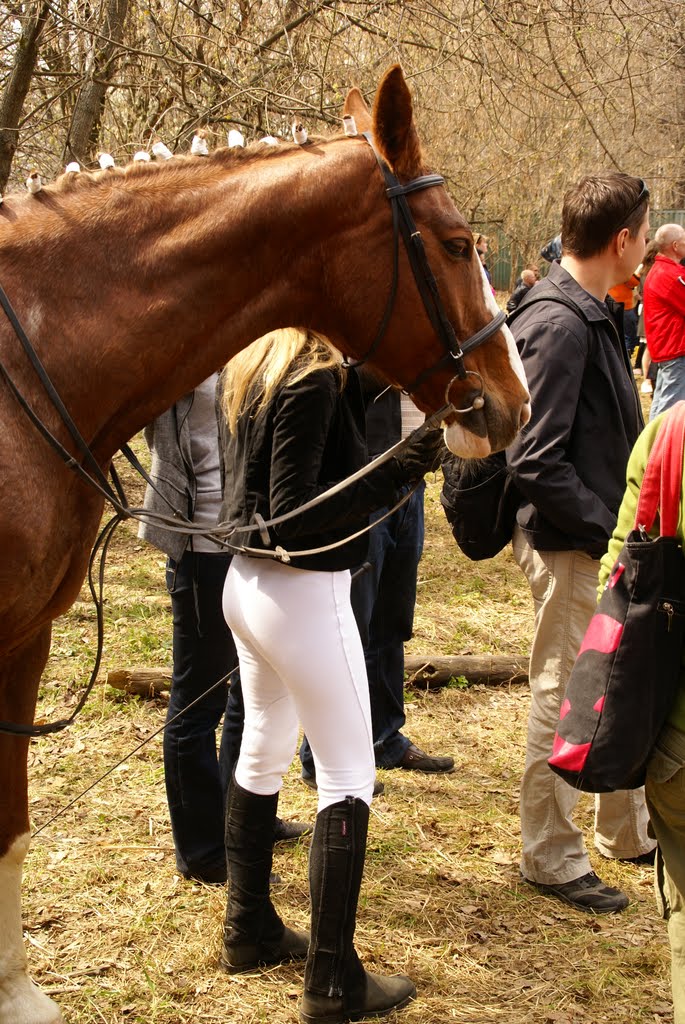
(478, 432)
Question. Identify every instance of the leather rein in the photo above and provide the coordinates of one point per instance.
(404, 225)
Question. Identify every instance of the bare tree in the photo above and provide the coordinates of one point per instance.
(18, 84)
(84, 131)
(516, 98)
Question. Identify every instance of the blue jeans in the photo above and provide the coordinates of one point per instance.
(383, 600)
(670, 385)
(203, 651)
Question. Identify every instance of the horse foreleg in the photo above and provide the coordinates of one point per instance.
(21, 1002)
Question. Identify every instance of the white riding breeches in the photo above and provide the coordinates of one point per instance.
(301, 661)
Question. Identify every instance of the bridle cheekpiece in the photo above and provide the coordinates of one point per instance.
(403, 222)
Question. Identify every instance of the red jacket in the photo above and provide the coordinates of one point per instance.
(664, 309)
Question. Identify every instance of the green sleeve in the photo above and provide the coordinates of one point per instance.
(626, 515)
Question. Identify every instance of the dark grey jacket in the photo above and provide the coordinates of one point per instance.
(569, 462)
(168, 438)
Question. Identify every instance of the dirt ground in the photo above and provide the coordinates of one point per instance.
(115, 935)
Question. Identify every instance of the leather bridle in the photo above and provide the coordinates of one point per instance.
(403, 223)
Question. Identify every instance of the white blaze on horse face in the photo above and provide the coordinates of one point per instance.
(20, 1001)
(514, 357)
(463, 442)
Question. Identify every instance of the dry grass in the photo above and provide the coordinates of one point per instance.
(118, 937)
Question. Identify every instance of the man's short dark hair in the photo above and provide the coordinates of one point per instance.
(597, 208)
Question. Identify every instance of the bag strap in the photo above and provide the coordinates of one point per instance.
(545, 292)
(672, 472)
(661, 487)
(650, 488)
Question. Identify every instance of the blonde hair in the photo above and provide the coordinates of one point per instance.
(280, 358)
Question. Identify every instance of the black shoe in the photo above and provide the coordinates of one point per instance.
(205, 879)
(285, 831)
(587, 893)
(241, 958)
(378, 997)
(221, 877)
(310, 780)
(208, 876)
(415, 760)
(642, 860)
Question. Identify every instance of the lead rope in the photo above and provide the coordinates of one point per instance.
(107, 533)
(143, 743)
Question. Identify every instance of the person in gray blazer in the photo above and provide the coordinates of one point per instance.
(186, 476)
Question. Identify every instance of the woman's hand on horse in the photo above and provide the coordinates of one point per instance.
(422, 456)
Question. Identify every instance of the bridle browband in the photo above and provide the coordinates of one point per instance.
(403, 223)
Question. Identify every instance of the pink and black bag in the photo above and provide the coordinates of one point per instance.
(626, 675)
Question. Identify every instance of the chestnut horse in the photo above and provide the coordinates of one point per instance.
(134, 285)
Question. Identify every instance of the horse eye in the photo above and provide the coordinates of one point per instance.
(457, 247)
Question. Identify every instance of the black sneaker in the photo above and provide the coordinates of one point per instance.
(310, 780)
(587, 893)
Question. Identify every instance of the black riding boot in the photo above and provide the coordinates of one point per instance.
(254, 934)
(336, 986)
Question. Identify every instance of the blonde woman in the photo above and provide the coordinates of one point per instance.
(295, 420)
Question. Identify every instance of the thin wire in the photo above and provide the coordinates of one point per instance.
(135, 750)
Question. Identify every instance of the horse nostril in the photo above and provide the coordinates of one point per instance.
(524, 415)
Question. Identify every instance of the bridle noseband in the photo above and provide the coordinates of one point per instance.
(403, 222)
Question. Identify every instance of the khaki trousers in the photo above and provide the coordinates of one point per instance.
(564, 589)
(666, 799)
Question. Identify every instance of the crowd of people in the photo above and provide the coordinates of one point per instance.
(318, 643)
(658, 310)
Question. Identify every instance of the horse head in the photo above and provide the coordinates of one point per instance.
(486, 388)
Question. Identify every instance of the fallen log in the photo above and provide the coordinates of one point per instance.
(429, 672)
(425, 671)
(145, 682)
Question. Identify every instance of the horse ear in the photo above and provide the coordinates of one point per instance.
(355, 106)
(393, 124)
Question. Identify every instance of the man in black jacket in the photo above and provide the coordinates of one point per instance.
(569, 466)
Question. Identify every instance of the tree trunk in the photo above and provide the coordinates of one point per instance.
(429, 672)
(146, 682)
(18, 84)
(85, 122)
(426, 671)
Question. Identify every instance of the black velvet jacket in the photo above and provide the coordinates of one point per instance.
(309, 437)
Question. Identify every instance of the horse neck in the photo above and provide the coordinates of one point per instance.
(174, 291)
